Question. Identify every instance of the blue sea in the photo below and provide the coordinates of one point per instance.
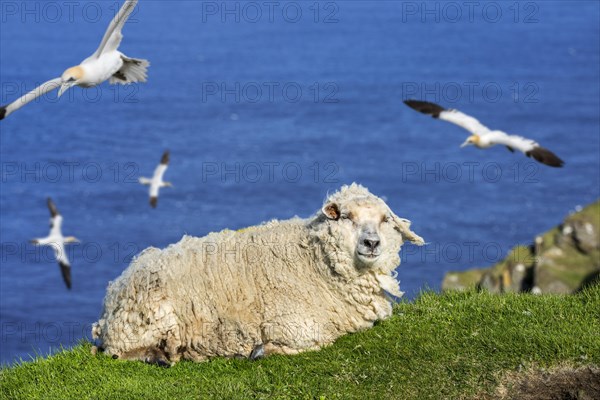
(266, 108)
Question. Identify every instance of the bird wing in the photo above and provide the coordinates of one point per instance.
(59, 251)
(63, 261)
(165, 158)
(145, 181)
(456, 117)
(513, 141)
(154, 188)
(464, 121)
(425, 107)
(42, 241)
(41, 90)
(157, 178)
(52, 207)
(65, 266)
(55, 226)
(159, 172)
(65, 270)
(112, 38)
(529, 147)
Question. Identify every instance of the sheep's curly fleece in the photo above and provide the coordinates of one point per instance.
(288, 285)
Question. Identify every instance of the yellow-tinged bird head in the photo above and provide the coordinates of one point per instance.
(70, 78)
(474, 140)
(71, 239)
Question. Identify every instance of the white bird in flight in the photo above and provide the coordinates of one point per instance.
(482, 137)
(107, 63)
(57, 241)
(157, 179)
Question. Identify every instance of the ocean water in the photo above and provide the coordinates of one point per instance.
(266, 109)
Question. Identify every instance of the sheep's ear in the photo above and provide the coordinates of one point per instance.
(331, 211)
(403, 226)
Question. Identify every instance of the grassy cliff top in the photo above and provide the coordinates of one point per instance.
(454, 345)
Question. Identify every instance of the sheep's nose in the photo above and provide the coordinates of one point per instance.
(371, 243)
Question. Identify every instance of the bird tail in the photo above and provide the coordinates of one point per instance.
(133, 70)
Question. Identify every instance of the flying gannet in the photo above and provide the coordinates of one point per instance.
(157, 179)
(483, 138)
(57, 241)
(107, 63)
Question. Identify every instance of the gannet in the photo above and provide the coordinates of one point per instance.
(107, 63)
(157, 179)
(57, 241)
(483, 138)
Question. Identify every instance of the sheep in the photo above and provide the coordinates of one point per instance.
(282, 287)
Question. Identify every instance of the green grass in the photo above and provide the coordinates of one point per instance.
(449, 346)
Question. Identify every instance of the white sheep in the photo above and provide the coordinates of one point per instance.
(282, 287)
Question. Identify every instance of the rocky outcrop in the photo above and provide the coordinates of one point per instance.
(562, 260)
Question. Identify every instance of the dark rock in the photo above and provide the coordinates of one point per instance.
(562, 260)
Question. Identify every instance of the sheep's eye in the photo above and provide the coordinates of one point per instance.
(347, 216)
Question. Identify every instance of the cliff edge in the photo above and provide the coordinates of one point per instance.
(562, 260)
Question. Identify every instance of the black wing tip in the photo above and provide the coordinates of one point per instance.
(165, 157)
(66, 273)
(546, 157)
(153, 201)
(52, 207)
(425, 107)
(2, 112)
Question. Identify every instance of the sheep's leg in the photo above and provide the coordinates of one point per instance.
(277, 348)
(172, 347)
(149, 355)
(157, 357)
(257, 353)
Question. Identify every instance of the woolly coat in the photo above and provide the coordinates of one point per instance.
(290, 286)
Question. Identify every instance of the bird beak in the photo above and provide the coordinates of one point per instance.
(466, 143)
(64, 87)
(72, 239)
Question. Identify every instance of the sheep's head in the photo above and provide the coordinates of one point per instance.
(367, 228)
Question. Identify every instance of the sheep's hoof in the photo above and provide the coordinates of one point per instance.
(257, 353)
(94, 350)
(239, 356)
(114, 356)
(159, 362)
(157, 357)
